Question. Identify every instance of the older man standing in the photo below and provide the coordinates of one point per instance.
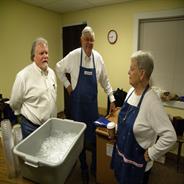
(34, 91)
(86, 67)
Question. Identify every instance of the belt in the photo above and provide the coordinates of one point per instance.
(36, 125)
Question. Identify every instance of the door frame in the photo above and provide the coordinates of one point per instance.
(136, 35)
(66, 98)
(151, 15)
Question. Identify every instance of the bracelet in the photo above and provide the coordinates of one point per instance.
(147, 158)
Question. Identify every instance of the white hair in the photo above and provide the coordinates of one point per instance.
(144, 61)
(88, 31)
(35, 42)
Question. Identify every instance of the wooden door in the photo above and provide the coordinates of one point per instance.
(71, 40)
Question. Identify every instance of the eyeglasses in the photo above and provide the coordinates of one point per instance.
(88, 39)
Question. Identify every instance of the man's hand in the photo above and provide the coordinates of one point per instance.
(69, 89)
(112, 107)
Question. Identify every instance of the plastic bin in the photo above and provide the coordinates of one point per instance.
(44, 172)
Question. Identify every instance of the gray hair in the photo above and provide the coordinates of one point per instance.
(37, 41)
(144, 61)
(88, 31)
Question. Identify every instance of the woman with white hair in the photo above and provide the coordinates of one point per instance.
(144, 130)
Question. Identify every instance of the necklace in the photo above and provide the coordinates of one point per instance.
(129, 109)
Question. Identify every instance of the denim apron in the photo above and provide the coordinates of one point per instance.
(83, 101)
(128, 160)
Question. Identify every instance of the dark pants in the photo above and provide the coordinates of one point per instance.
(83, 160)
(27, 126)
(146, 176)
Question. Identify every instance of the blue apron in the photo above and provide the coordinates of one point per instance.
(83, 100)
(128, 160)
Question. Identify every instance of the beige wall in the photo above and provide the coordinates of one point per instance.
(121, 18)
(22, 23)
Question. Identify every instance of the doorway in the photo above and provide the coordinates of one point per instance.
(71, 40)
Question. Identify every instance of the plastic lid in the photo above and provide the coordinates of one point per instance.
(111, 125)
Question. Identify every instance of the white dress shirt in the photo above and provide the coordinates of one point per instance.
(34, 94)
(151, 122)
(71, 64)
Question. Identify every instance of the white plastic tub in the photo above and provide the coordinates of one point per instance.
(45, 172)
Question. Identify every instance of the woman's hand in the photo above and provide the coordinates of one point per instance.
(146, 156)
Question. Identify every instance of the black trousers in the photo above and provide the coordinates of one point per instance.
(146, 176)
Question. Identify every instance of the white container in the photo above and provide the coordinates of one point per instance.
(8, 144)
(17, 136)
(111, 130)
(41, 171)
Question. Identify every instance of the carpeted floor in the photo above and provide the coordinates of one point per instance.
(161, 173)
(167, 173)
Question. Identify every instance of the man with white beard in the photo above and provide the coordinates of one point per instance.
(34, 91)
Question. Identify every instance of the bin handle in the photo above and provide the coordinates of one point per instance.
(31, 161)
(31, 164)
(68, 120)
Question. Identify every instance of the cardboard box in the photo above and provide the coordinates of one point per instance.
(105, 174)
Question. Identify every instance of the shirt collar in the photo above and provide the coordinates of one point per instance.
(40, 70)
(85, 57)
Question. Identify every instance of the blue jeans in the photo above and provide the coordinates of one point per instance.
(27, 126)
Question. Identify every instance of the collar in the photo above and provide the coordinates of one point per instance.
(85, 57)
(40, 70)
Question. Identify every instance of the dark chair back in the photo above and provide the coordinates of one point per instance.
(119, 96)
(178, 124)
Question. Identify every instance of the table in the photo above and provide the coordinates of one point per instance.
(104, 148)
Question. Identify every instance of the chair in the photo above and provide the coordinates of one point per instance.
(6, 111)
(180, 140)
(119, 96)
(178, 124)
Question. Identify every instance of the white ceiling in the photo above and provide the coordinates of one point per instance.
(63, 6)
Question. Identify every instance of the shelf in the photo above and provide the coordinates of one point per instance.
(174, 104)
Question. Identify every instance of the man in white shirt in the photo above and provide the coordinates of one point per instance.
(33, 94)
(86, 68)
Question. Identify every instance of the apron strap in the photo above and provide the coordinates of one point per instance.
(92, 56)
(144, 92)
(140, 101)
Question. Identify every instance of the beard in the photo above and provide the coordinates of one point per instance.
(44, 66)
